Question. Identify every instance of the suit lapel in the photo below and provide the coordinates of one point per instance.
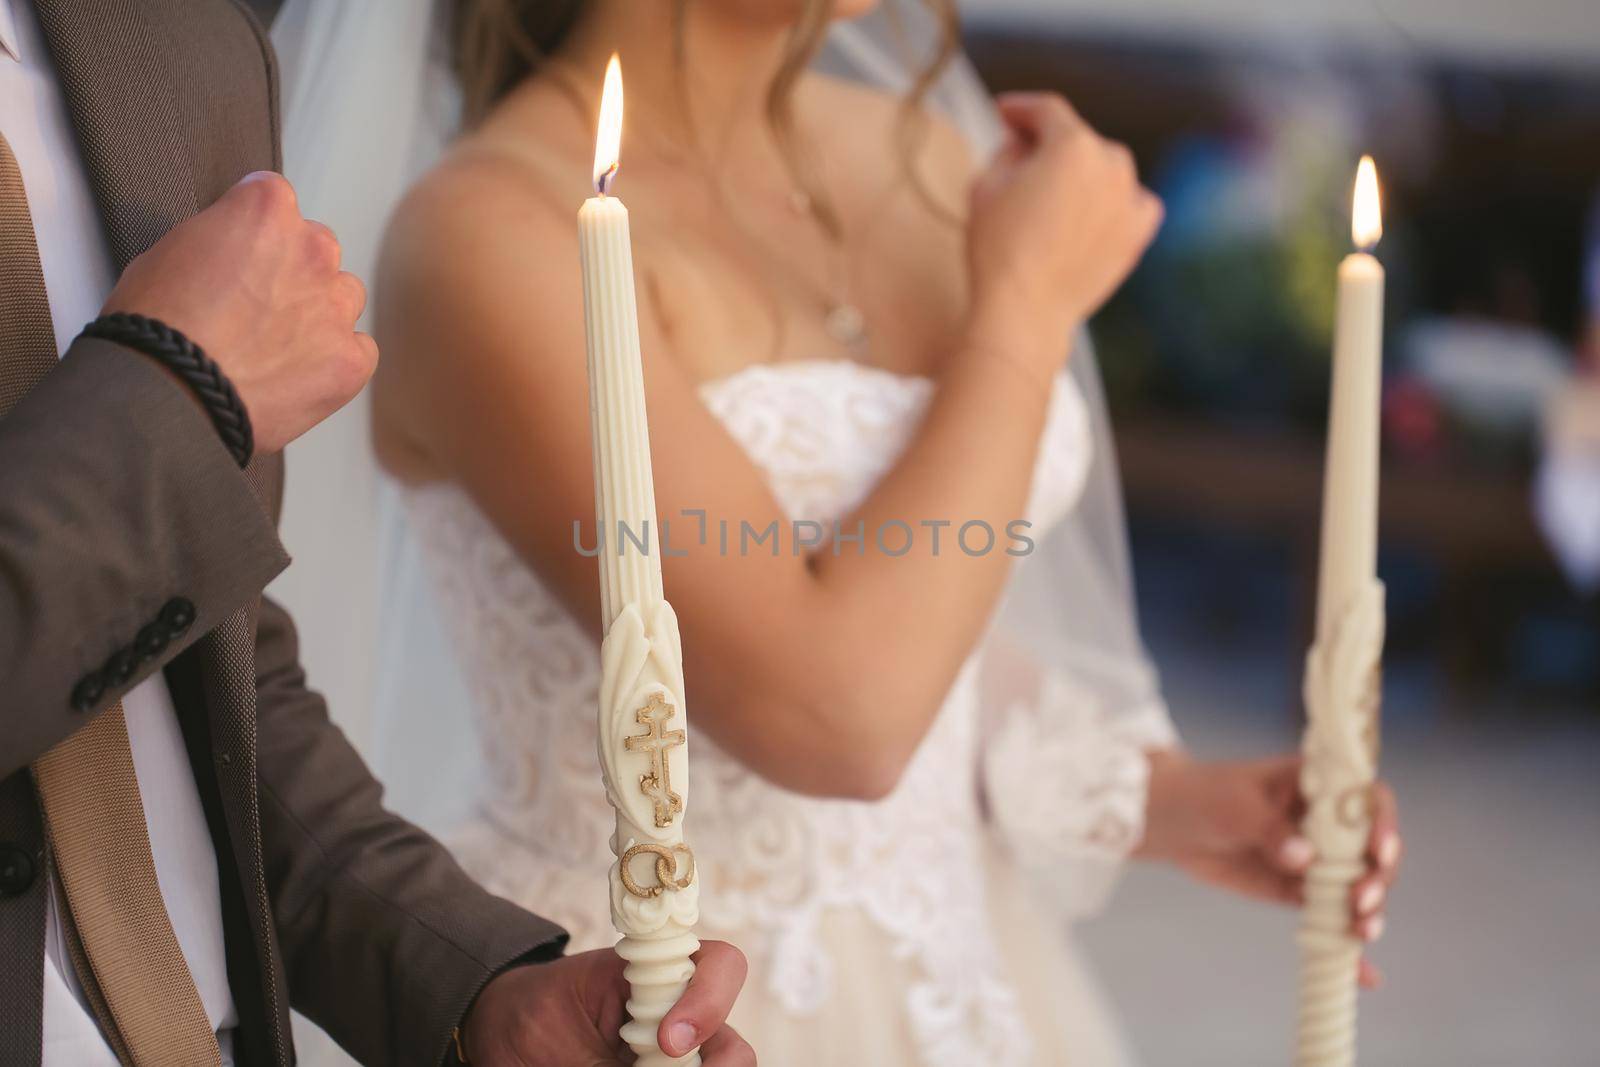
(173, 101)
(121, 89)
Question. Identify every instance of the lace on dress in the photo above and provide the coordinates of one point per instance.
(1015, 752)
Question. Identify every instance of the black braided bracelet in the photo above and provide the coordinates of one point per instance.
(190, 363)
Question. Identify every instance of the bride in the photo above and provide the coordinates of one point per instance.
(918, 745)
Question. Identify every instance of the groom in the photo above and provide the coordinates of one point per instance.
(188, 848)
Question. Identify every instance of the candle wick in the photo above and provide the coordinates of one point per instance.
(602, 183)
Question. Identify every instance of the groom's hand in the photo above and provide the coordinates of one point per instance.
(567, 1014)
(259, 288)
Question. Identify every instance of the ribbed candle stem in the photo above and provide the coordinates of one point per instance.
(642, 721)
(624, 491)
(1343, 679)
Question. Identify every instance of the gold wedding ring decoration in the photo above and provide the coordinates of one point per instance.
(667, 864)
(1354, 807)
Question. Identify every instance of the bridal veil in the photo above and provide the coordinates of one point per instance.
(369, 104)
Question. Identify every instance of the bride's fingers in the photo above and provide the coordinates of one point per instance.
(1369, 975)
(1384, 845)
(1283, 844)
(1038, 117)
(1367, 898)
(1287, 849)
(1368, 927)
(1281, 774)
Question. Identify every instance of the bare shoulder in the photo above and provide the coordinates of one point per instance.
(482, 244)
(477, 207)
(504, 189)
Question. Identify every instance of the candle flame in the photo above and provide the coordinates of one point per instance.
(1366, 214)
(608, 142)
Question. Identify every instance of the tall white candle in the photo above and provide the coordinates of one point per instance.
(1350, 491)
(1342, 684)
(642, 721)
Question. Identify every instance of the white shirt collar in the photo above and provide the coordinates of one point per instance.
(8, 33)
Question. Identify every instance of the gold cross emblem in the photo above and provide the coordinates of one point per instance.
(657, 785)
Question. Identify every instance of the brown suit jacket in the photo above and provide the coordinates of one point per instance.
(131, 543)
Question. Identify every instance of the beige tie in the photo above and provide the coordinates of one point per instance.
(92, 806)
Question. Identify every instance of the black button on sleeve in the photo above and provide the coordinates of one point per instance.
(178, 614)
(120, 667)
(88, 692)
(151, 641)
(16, 871)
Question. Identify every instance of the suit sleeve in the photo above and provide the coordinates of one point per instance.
(386, 941)
(126, 531)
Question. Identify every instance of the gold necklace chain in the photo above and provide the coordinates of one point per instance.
(842, 318)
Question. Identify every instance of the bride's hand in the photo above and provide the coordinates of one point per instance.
(1058, 221)
(1236, 825)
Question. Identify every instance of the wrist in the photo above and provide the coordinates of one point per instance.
(188, 363)
(1043, 297)
(175, 378)
(464, 1037)
(996, 337)
(467, 1041)
(1004, 323)
(1167, 805)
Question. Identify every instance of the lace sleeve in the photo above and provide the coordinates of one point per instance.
(1065, 780)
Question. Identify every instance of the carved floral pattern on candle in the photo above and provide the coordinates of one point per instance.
(1371, 708)
(1342, 705)
(642, 684)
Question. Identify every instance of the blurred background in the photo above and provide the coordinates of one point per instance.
(1248, 119)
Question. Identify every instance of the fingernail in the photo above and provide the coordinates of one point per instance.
(1388, 850)
(683, 1037)
(1371, 896)
(1372, 929)
(1296, 852)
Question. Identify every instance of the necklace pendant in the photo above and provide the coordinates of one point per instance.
(846, 324)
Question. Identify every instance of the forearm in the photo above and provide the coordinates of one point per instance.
(885, 634)
(970, 466)
(116, 500)
(1171, 816)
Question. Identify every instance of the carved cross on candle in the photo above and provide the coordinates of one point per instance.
(657, 785)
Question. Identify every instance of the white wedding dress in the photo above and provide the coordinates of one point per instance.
(900, 933)
(930, 929)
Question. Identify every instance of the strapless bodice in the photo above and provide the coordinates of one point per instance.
(771, 862)
(824, 433)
